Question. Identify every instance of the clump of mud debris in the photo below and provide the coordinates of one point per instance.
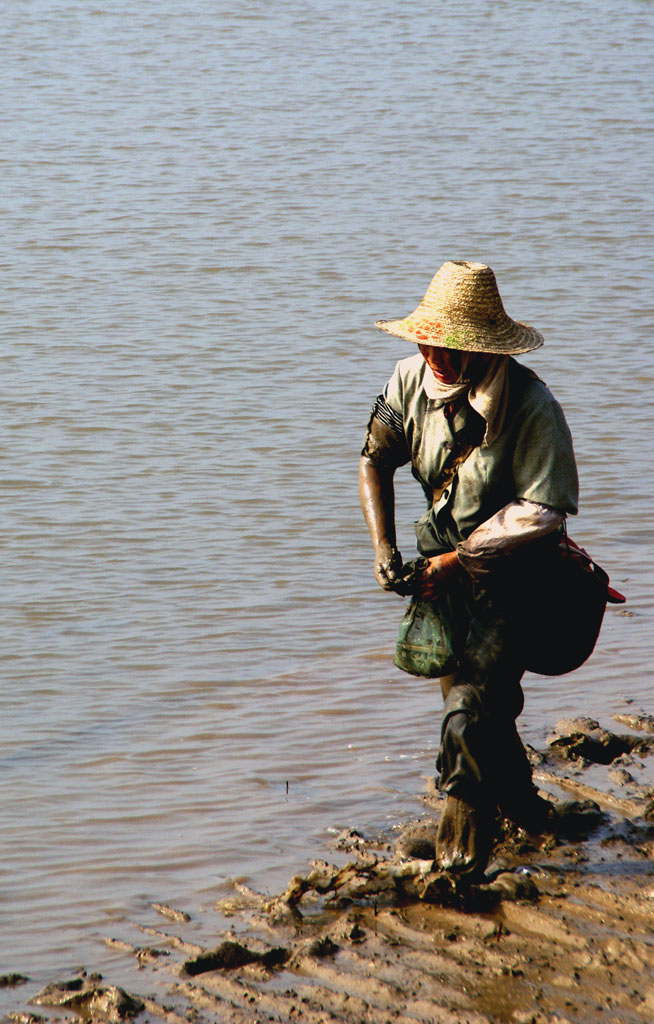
(560, 930)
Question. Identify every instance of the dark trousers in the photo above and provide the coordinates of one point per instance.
(481, 758)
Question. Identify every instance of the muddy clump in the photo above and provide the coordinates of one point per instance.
(584, 739)
(89, 998)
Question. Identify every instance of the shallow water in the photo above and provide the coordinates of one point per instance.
(205, 209)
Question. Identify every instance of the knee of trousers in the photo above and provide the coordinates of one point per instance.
(465, 739)
(461, 757)
(463, 699)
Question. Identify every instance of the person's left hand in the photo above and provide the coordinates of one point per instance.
(432, 579)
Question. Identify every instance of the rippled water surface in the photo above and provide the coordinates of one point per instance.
(205, 207)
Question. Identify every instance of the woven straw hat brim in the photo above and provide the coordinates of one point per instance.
(462, 309)
(515, 339)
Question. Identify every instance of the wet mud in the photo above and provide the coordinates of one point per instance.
(559, 930)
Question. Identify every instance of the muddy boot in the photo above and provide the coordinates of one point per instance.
(575, 819)
(530, 811)
(569, 818)
(464, 839)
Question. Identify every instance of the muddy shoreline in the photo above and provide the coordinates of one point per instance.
(560, 930)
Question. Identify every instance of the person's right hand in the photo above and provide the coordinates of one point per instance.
(433, 575)
(388, 566)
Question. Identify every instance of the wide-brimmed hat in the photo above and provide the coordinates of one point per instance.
(463, 309)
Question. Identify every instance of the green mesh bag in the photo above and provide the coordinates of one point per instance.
(425, 644)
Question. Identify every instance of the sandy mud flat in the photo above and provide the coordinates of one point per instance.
(560, 931)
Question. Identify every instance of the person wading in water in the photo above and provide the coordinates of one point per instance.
(492, 451)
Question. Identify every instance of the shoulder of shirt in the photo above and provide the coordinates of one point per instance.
(408, 375)
(526, 380)
(411, 366)
(527, 390)
(405, 385)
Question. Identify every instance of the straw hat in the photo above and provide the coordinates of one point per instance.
(463, 309)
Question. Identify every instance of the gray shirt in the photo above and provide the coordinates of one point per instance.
(532, 458)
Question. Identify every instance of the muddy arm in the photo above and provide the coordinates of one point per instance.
(377, 496)
(379, 460)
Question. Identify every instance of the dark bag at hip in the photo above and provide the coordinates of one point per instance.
(559, 613)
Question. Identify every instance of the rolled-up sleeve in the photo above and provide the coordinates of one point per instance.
(518, 523)
(385, 444)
